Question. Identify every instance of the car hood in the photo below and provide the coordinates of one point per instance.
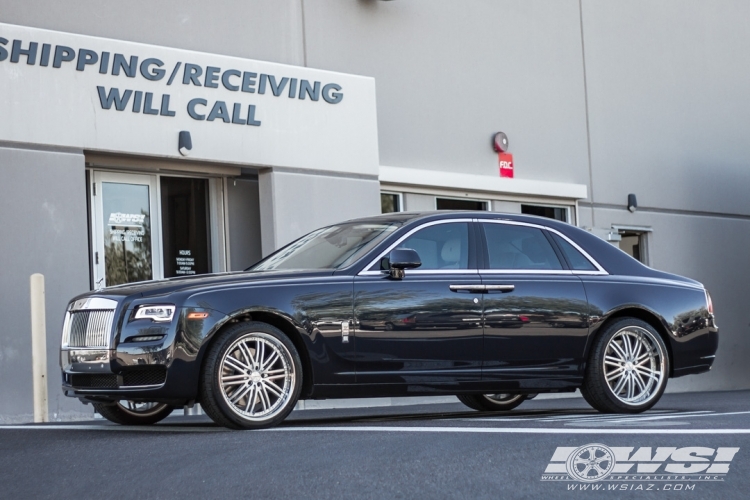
(171, 285)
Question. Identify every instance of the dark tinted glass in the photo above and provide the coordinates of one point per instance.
(576, 259)
(556, 213)
(389, 203)
(184, 210)
(450, 204)
(330, 247)
(442, 246)
(519, 247)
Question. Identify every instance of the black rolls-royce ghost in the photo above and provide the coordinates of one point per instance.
(489, 307)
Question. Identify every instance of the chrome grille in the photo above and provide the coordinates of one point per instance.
(87, 326)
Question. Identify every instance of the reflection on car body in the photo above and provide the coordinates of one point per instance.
(488, 307)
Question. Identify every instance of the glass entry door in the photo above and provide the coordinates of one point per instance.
(185, 231)
(125, 228)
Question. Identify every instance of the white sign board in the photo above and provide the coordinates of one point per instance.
(107, 95)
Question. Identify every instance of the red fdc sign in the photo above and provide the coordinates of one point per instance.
(505, 162)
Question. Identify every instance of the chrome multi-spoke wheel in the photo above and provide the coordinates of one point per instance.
(492, 402)
(634, 365)
(257, 376)
(133, 412)
(251, 377)
(628, 367)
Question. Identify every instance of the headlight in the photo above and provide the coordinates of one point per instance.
(155, 313)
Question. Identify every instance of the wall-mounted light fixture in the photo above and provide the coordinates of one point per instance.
(500, 142)
(184, 143)
(632, 203)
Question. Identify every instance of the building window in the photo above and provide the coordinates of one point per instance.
(390, 202)
(633, 243)
(461, 204)
(557, 213)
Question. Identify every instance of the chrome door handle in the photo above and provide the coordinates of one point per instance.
(482, 288)
(467, 288)
(499, 288)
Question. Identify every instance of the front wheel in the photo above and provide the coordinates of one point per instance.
(251, 378)
(133, 413)
(628, 368)
(492, 402)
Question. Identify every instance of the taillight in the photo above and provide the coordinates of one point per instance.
(709, 303)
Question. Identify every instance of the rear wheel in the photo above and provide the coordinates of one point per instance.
(492, 402)
(251, 378)
(133, 413)
(627, 369)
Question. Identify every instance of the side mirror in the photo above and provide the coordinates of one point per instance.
(401, 259)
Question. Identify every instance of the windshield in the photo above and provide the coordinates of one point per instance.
(331, 247)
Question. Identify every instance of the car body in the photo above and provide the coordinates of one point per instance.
(490, 312)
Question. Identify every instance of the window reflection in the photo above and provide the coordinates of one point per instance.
(127, 233)
(442, 246)
(331, 247)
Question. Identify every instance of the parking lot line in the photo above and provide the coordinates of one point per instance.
(131, 428)
(507, 430)
(591, 418)
(579, 419)
(477, 430)
(603, 417)
(679, 415)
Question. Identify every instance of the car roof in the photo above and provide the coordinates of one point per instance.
(409, 217)
(611, 258)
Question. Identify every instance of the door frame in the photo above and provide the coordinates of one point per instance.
(97, 220)
(217, 220)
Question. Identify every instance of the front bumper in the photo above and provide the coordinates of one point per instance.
(113, 375)
(164, 371)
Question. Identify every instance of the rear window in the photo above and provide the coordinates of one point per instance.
(577, 261)
(519, 247)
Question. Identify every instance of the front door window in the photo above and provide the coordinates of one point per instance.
(427, 327)
(442, 246)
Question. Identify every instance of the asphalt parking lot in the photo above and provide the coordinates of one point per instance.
(686, 446)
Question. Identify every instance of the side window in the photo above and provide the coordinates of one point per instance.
(442, 246)
(519, 247)
(575, 258)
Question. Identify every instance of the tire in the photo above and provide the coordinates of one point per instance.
(627, 369)
(492, 402)
(242, 389)
(131, 413)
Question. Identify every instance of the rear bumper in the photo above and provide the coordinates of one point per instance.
(696, 355)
